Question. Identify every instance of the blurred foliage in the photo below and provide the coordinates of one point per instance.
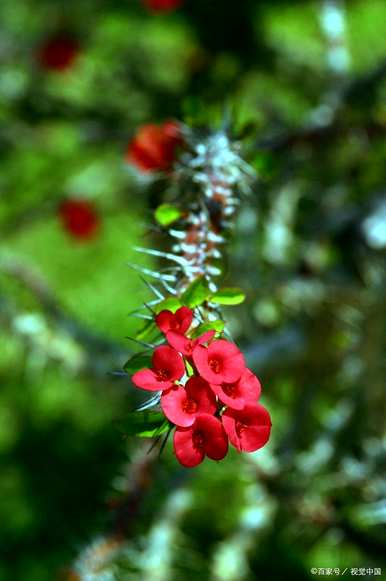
(307, 99)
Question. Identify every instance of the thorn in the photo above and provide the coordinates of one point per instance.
(142, 343)
(154, 444)
(152, 273)
(152, 288)
(140, 316)
(168, 288)
(177, 233)
(151, 402)
(165, 441)
(167, 255)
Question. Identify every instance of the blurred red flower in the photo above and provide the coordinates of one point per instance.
(58, 53)
(162, 5)
(153, 147)
(79, 218)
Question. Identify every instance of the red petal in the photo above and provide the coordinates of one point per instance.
(172, 402)
(229, 423)
(179, 342)
(237, 402)
(250, 386)
(167, 358)
(223, 349)
(163, 320)
(231, 359)
(254, 438)
(232, 368)
(199, 390)
(147, 379)
(216, 441)
(183, 317)
(187, 454)
(205, 337)
(200, 358)
(257, 427)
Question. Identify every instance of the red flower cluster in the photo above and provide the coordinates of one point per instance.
(58, 53)
(153, 147)
(79, 219)
(207, 392)
(162, 5)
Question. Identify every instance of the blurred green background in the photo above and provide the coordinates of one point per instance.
(306, 86)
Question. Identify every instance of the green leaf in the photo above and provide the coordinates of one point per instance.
(166, 214)
(228, 296)
(144, 425)
(155, 432)
(197, 293)
(137, 362)
(217, 326)
(189, 368)
(170, 304)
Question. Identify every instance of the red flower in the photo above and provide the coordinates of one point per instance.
(236, 395)
(206, 437)
(185, 345)
(162, 5)
(154, 147)
(58, 53)
(221, 362)
(167, 367)
(182, 406)
(179, 322)
(248, 429)
(79, 218)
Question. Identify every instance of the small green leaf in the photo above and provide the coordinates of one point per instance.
(166, 214)
(170, 304)
(144, 425)
(228, 296)
(217, 326)
(155, 432)
(196, 293)
(189, 368)
(137, 362)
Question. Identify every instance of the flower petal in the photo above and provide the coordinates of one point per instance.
(200, 358)
(230, 360)
(147, 379)
(167, 359)
(183, 317)
(205, 337)
(248, 429)
(232, 368)
(186, 452)
(163, 320)
(172, 404)
(216, 441)
(199, 390)
(236, 401)
(249, 385)
(179, 342)
(229, 423)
